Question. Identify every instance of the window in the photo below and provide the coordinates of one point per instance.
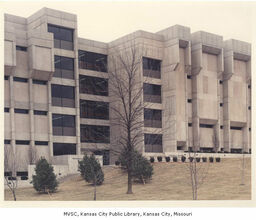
(63, 149)
(19, 79)
(63, 125)
(249, 107)
(152, 93)
(93, 109)
(189, 76)
(20, 111)
(6, 110)
(92, 61)
(205, 126)
(63, 37)
(37, 112)
(249, 129)
(41, 142)
(63, 96)
(189, 100)
(23, 173)
(7, 141)
(221, 104)
(153, 143)
(21, 48)
(221, 127)
(220, 82)
(94, 134)
(39, 82)
(151, 68)
(93, 85)
(189, 124)
(152, 118)
(179, 147)
(6, 77)
(236, 151)
(206, 150)
(249, 86)
(64, 67)
(235, 128)
(22, 142)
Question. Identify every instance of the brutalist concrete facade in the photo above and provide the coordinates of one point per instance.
(204, 100)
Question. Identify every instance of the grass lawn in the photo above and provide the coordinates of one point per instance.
(171, 181)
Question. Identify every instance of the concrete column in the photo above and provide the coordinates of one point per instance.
(77, 98)
(31, 116)
(12, 118)
(247, 125)
(226, 117)
(50, 120)
(195, 116)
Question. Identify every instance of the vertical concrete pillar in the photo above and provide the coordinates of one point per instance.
(50, 120)
(77, 96)
(31, 116)
(12, 118)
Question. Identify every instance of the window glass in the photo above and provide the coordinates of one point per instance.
(92, 61)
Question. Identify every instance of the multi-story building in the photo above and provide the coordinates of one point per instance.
(57, 102)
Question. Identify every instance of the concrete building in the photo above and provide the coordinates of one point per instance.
(199, 88)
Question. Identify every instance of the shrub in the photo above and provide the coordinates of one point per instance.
(183, 158)
(204, 159)
(159, 158)
(211, 159)
(90, 170)
(167, 159)
(152, 159)
(175, 159)
(191, 159)
(45, 180)
(198, 159)
(117, 163)
(217, 159)
(142, 170)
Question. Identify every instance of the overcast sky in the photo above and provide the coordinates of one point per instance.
(107, 21)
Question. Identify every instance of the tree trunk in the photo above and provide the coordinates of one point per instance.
(94, 190)
(14, 195)
(129, 190)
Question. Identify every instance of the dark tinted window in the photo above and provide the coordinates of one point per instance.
(93, 85)
(40, 82)
(19, 79)
(151, 68)
(6, 110)
(63, 125)
(7, 141)
(21, 48)
(63, 149)
(92, 109)
(6, 77)
(92, 61)
(22, 142)
(152, 118)
(94, 134)
(151, 64)
(235, 128)
(64, 67)
(37, 112)
(63, 37)
(41, 142)
(205, 126)
(153, 143)
(63, 96)
(152, 93)
(21, 111)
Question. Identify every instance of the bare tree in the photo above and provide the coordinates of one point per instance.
(127, 107)
(32, 155)
(198, 171)
(11, 166)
